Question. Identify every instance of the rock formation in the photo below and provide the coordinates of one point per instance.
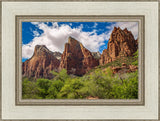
(41, 63)
(76, 59)
(121, 43)
(124, 69)
(57, 55)
(96, 55)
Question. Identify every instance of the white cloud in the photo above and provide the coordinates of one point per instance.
(55, 25)
(131, 26)
(55, 37)
(95, 25)
(36, 33)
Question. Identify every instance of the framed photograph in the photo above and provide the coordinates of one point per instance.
(71, 55)
(80, 60)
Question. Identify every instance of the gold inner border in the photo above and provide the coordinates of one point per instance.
(98, 18)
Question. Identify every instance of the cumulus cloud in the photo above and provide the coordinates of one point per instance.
(55, 37)
(36, 33)
(131, 26)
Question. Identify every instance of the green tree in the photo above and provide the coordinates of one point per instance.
(62, 75)
(43, 86)
(29, 90)
(54, 89)
(126, 90)
(71, 89)
(101, 83)
(97, 84)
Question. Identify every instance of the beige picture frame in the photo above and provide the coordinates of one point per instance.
(20, 19)
(141, 19)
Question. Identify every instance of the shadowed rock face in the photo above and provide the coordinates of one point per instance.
(76, 58)
(41, 63)
(121, 43)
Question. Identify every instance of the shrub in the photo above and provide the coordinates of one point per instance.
(54, 89)
(29, 90)
(100, 83)
(71, 88)
(62, 75)
(43, 86)
(126, 88)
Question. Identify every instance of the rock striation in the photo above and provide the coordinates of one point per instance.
(121, 43)
(76, 59)
(41, 63)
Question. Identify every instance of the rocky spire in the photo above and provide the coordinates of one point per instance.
(121, 43)
(41, 63)
(76, 58)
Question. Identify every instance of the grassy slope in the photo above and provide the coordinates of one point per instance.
(118, 62)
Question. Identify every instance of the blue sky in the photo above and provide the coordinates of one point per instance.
(93, 35)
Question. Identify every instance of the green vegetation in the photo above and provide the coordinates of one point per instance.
(99, 82)
(135, 58)
(118, 62)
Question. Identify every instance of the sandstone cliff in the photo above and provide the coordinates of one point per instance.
(41, 63)
(76, 59)
(121, 43)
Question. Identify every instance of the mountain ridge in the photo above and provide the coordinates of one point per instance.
(77, 59)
